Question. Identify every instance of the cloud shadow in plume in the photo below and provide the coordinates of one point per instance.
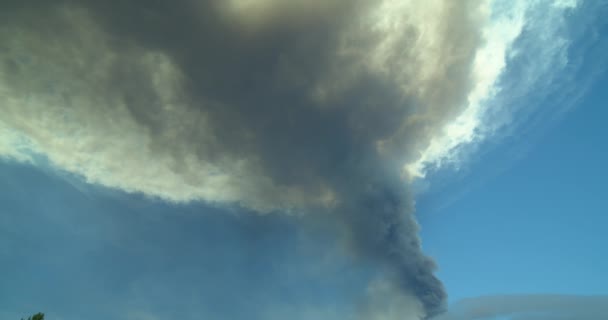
(255, 88)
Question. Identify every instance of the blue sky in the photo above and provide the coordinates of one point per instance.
(119, 256)
(528, 215)
(531, 225)
(154, 172)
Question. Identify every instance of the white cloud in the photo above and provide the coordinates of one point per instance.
(484, 115)
(529, 307)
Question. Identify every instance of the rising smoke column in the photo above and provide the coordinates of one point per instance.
(300, 107)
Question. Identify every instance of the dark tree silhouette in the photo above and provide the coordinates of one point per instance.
(37, 316)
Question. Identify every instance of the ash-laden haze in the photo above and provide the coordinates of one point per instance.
(323, 109)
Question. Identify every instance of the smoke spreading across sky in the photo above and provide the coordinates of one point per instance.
(325, 110)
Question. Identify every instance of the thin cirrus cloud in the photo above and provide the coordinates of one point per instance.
(530, 307)
(302, 107)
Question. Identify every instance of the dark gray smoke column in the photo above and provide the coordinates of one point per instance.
(311, 107)
(380, 217)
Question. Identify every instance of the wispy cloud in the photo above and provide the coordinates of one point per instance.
(530, 307)
(525, 49)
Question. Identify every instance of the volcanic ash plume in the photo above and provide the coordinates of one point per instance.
(299, 107)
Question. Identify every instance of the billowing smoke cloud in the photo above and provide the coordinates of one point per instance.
(304, 107)
(530, 307)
